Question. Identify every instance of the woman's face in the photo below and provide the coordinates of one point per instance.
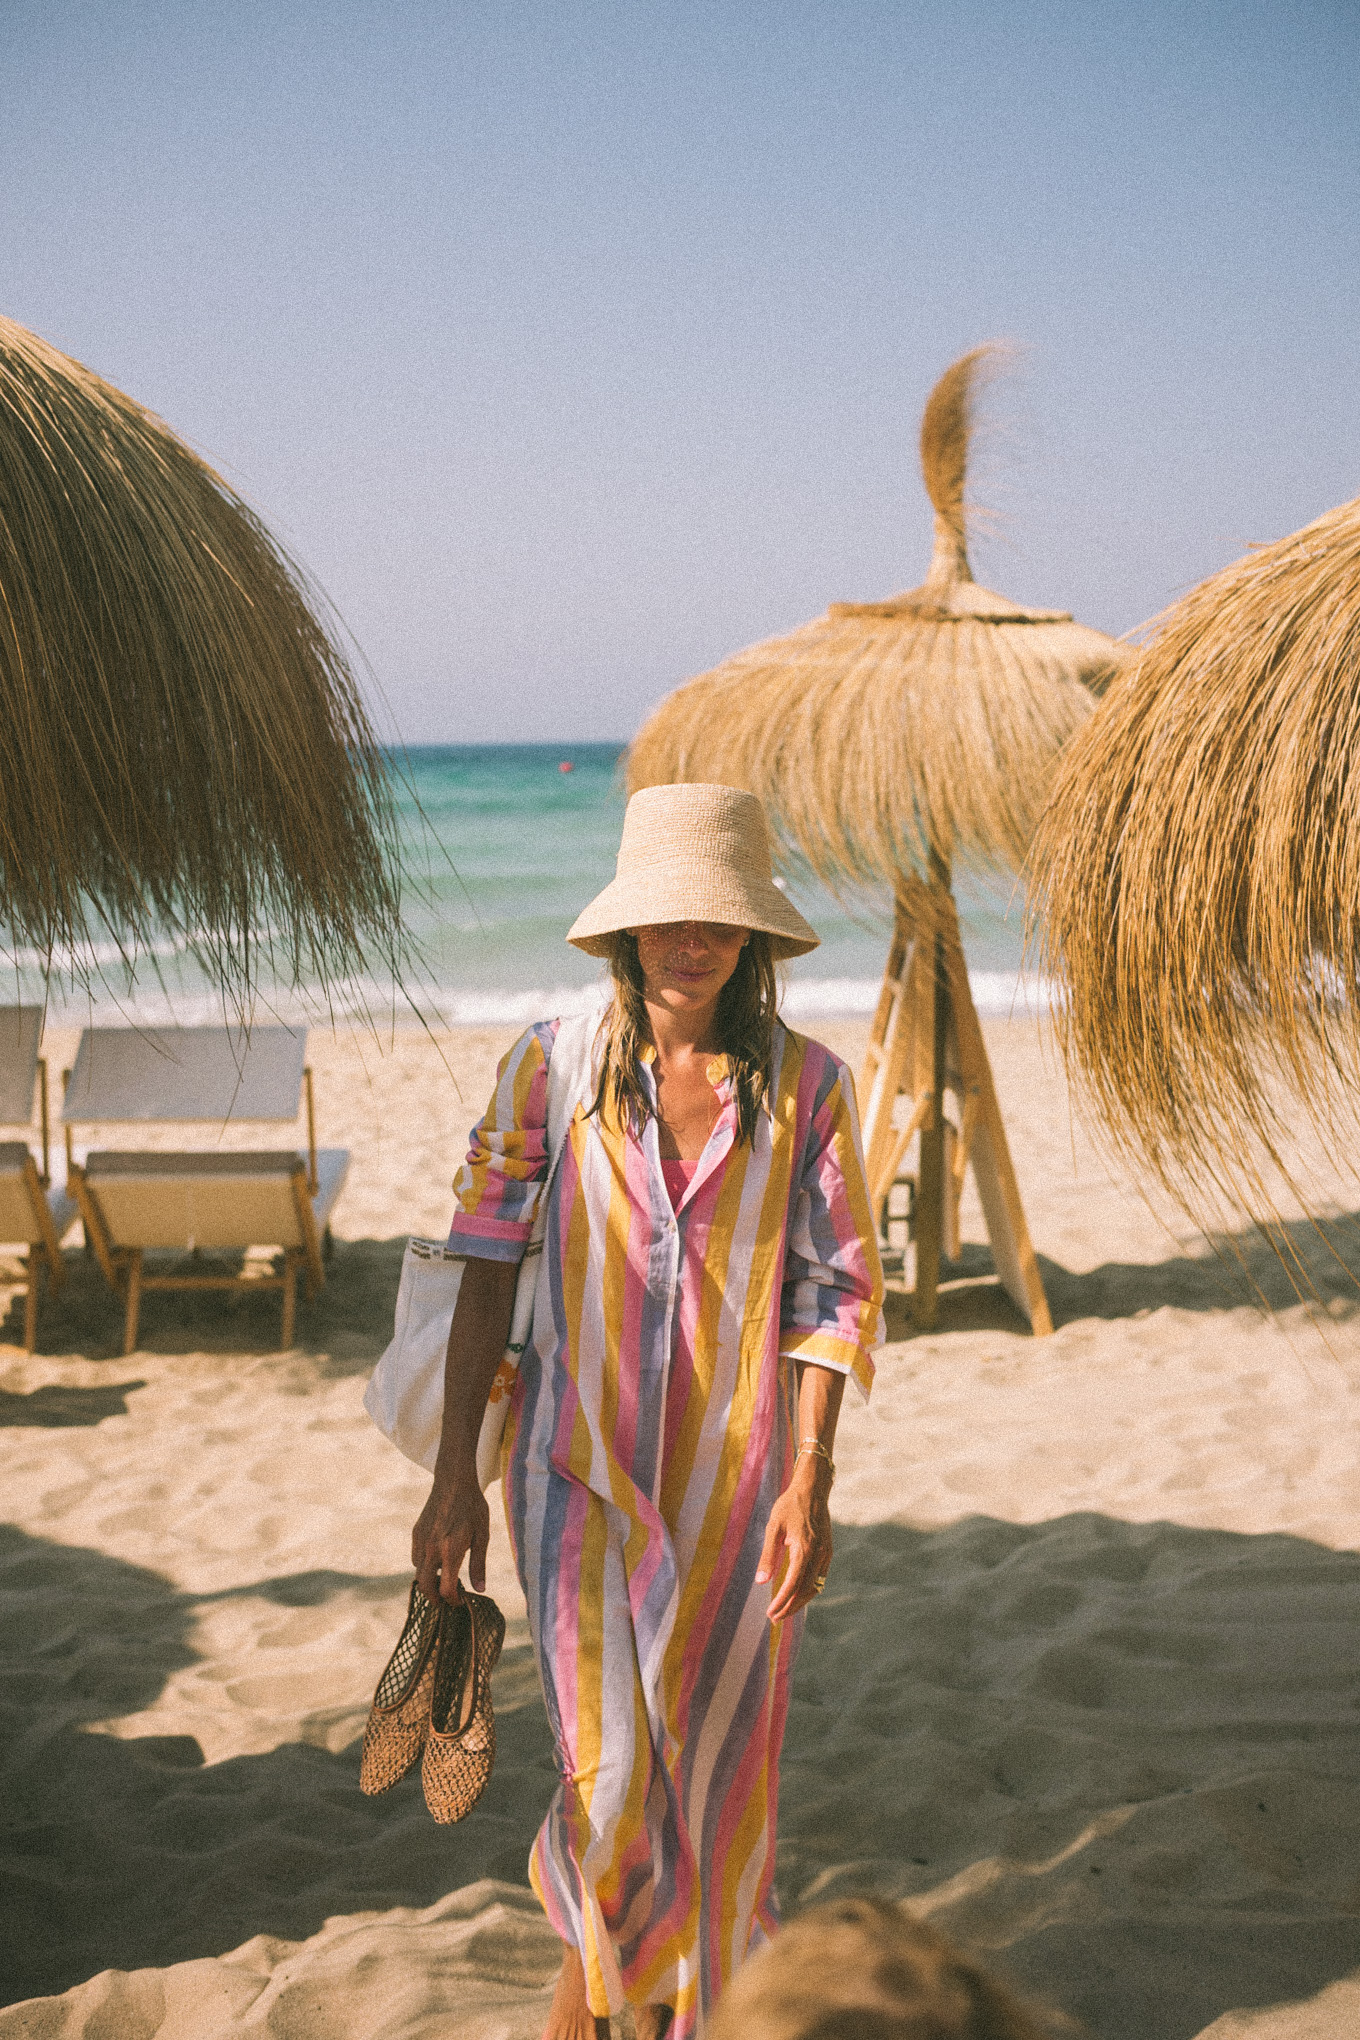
(685, 964)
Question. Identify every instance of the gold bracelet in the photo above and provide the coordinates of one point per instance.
(815, 1445)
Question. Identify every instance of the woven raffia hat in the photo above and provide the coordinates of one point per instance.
(694, 853)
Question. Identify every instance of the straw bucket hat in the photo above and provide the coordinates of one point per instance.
(694, 853)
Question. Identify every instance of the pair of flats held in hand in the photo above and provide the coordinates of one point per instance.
(433, 1704)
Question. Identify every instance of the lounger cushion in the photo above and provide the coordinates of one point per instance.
(186, 1073)
(182, 1200)
(20, 1031)
(17, 1222)
(16, 1207)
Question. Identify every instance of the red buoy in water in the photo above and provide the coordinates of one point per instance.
(566, 766)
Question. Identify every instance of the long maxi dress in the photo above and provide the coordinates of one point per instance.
(651, 1429)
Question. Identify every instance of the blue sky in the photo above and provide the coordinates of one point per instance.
(572, 347)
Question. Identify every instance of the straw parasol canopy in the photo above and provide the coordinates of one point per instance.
(904, 735)
(183, 749)
(1200, 857)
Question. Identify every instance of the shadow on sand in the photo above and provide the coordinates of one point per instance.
(1121, 1760)
(1299, 1261)
(130, 1853)
(349, 1320)
(54, 1408)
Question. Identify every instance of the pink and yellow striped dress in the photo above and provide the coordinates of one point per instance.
(651, 1430)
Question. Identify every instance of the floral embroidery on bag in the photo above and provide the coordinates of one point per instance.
(504, 1381)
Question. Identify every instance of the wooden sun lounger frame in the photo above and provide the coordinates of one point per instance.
(125, 1271)
(44, 1245)
(125, 1267)
(926, 1041)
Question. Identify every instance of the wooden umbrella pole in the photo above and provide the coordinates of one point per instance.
(925, 1040)
(930, 1185)
(983, 1143)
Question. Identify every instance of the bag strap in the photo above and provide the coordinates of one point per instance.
(571, 1080)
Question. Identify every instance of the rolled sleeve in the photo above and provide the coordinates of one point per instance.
(499, 1184)
(832, 1304)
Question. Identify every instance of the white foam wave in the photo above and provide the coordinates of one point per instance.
(1006, 995)
(997, 994)
(1001, 994)
(493, 1008)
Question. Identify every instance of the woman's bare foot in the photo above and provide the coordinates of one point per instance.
(571, 2017)
(653, 2021)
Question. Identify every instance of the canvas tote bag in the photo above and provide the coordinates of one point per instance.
(405, 1397)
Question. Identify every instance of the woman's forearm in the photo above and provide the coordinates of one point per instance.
(477, 1340)
(799, 1530)
(820, 1390)
(455, 1523)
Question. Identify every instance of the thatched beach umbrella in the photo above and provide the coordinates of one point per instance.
(183, 749)
(890, 741)
(887, 737)
(1200, 862)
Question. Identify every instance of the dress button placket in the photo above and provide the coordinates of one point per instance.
(651, 1146)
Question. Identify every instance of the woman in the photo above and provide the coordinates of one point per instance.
(710, 1280)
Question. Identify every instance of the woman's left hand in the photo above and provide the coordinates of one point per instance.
(799, 1530)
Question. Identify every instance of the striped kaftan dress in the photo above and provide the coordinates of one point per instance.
(651, 1430)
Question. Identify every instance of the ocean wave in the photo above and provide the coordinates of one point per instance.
(996, 994)
(492, 1008)
(999, 994)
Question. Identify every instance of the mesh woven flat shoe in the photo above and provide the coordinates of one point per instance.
(461, 1745)
(399, 1719)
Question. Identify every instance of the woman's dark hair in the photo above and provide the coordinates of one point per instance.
(746, 1015)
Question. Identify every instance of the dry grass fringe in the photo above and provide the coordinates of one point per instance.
(1198, 877)
(883, 732)
(947, 429)
(182, 743)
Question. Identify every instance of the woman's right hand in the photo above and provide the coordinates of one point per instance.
(453, 1525)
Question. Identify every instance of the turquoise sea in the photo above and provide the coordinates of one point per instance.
(501, 848)
(507, 847)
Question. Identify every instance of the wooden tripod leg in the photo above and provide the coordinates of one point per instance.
(951, 1235)
(290, 1275)
(873, 1054)
(133, 1312)
(892, 1065)
(903, 1140)
(989, 1151)
(933, 1033)
(31, 1299)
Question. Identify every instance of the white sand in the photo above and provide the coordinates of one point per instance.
(1085, 1685)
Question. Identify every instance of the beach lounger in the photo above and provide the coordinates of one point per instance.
(137, 1202)
(32, 1212)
